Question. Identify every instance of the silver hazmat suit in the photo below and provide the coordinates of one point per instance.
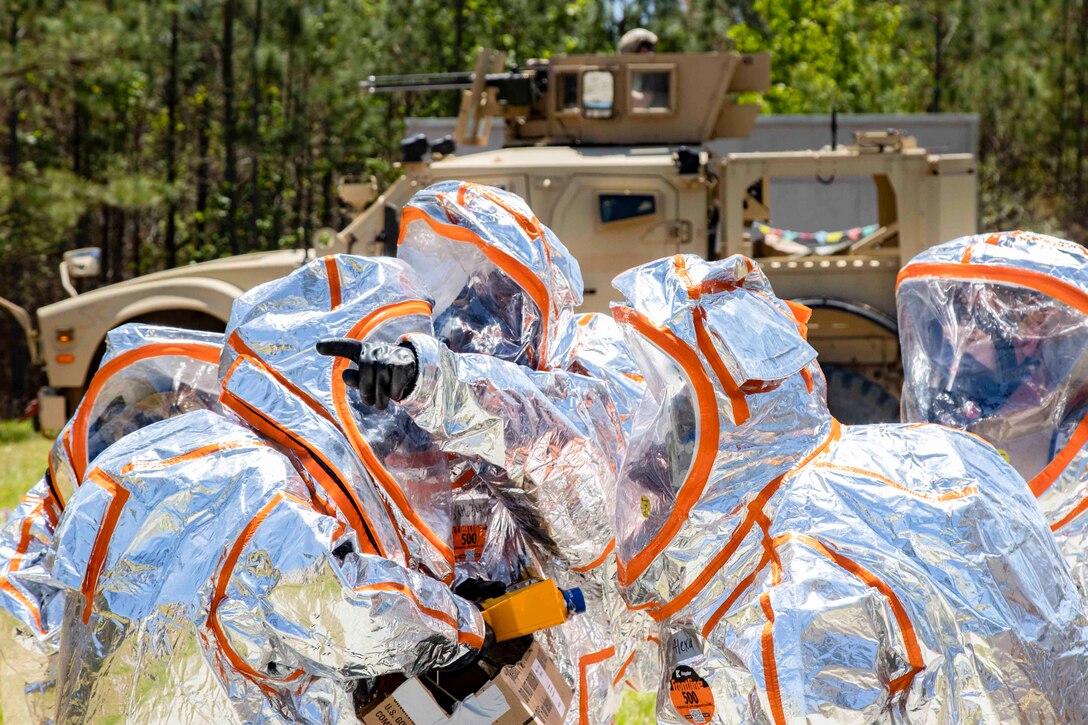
(802, 570)
(534, 404)
(994, 332)
(258, 565)
(147, 373)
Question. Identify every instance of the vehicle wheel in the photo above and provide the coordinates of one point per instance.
(855, 399)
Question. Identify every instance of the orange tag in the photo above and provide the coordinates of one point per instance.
(691, 696)
(468, 542)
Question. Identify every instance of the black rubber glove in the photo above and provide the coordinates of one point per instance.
(473, 656)
(479, 590)
(386, 372)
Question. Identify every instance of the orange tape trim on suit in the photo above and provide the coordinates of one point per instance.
(467, 475)
(1079, 509)
(473, 640)
(770, 665)
(906, 628)
(599, 560)
(1047, 285)
(225, 573)
(770, 668)
(384, 478)
(16, 561)
(741, 587)
(11, 589)
(755, 508)
(706, 451)
(118, 496)
(190, 456)
(801, 313)
(515, 268)
(737, 400)
(584, 663)
(623, 670)
(197, 351)
(966, 258)
(1046, 477)
(66, 440)
(529, 224)
(333, 274)
(947, 496)
(24, 536)
(330, 480)
(244, 350)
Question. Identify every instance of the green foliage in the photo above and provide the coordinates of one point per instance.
(828, 54)
(24, 453)
(637, 708)
(115, 130)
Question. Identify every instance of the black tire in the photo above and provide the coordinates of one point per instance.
(855, 399)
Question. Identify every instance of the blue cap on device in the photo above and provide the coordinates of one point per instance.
(576, 602)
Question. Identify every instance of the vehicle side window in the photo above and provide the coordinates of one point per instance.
(650, 90)
(620, 207)
(566, 98)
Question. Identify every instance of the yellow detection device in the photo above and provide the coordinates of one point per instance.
(531, 609)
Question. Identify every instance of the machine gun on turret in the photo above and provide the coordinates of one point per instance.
(600, 100)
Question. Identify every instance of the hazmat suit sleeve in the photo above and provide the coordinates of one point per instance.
(25, 543)
(357, 614)
(31, 605)
(269, 574)
(554, 435)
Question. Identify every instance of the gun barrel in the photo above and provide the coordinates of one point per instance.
(416, 82)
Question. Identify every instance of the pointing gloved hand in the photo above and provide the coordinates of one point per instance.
(386, 372)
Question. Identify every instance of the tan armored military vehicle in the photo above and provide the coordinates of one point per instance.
(609, 151)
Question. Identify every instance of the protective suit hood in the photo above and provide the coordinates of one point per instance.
(732, 394)
(502, 281)
(255, 565)
(149, 372)
(994, 331)
(802, 570)
(275, 380)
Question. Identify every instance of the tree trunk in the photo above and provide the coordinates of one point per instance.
(79, 155)
(229, 126)
(171, 242)
(202, 143)
(938, 69)
(136, 268)
(107, 244)
(329, 205)
(117, 246)
(1063, 99)
(254, 241)
(458, 35)
(285, 148)
(302, 136)
(13, 112)
(1082, 99)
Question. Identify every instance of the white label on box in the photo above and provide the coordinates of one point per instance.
(546, 683)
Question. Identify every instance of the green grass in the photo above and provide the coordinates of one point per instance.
(637, 709)
(23, 458)
(24, 453)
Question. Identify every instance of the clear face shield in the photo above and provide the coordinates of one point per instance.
(492, 316)
(479, 307)
(130, 410)
(1002, 362)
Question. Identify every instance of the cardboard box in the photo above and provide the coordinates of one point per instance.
(531, 691)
